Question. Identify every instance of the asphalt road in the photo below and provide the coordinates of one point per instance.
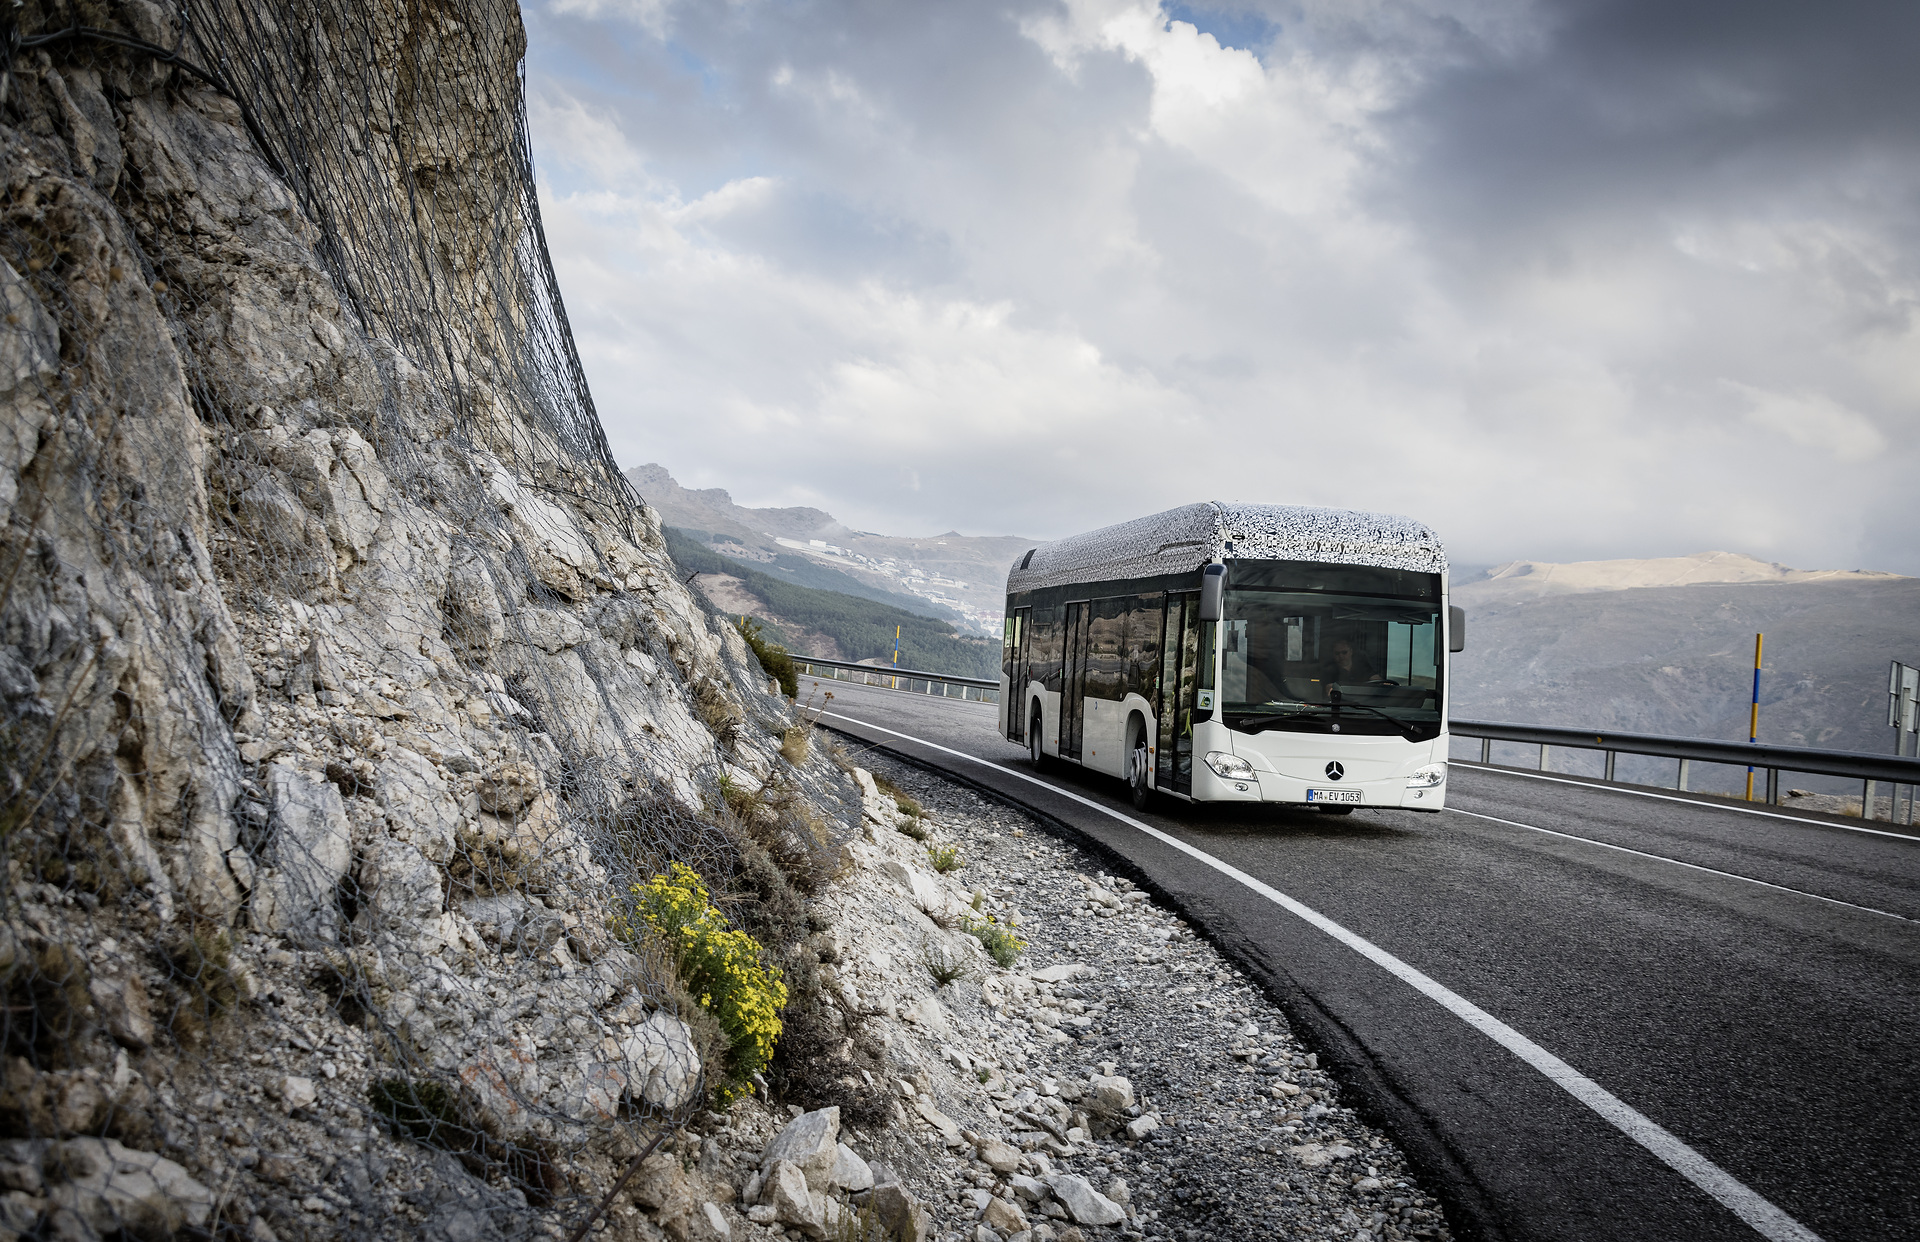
(1772, 1032)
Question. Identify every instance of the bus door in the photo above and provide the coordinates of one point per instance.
(1019, 670)
(1073, 686)
(1179, 680)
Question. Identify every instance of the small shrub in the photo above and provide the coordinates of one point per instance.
(200, 964)
(717, 711)
(47, 1010)
(796, 743)
(901, 798)
(434, 1116)
(999, 939)
(742, 801)
(915, 829)
(719, 966)
(945, 858)
(945, 967)
(861, 1225)
(773, 657)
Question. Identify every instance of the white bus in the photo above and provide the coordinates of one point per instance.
(1238, 653)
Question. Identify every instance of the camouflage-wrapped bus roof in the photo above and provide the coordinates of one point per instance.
(1181, 540)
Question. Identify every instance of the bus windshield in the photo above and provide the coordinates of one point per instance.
(1338, 659)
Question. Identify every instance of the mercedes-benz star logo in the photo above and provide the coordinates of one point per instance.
(1335, 771)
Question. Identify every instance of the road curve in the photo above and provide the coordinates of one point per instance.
(1744, 984)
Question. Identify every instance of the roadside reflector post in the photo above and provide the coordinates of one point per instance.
(1753, 715)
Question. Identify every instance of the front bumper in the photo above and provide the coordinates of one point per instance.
(1390, 793)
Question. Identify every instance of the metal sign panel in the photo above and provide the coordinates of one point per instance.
(1903, 697)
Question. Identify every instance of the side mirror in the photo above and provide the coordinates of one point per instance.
(1456, 628)
(1213, 581)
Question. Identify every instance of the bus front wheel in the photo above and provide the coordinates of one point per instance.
(1139, 769)
(1035, 750)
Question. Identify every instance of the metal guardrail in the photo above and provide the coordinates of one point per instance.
(911, 680)
(1868, 768)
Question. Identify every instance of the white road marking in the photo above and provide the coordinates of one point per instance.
(1711, 806)
(1766, 1219)
(1731, 875)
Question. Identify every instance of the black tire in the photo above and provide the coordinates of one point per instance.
(1139, 769)
(1036, 751)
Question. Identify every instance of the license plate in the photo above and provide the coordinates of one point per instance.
(1334, 795)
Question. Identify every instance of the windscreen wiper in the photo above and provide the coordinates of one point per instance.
(1404, 729)
(1258, 722)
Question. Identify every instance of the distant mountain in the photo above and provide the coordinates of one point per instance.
(1532, 579)
(1584, 646)
(834, 624)
(952, 575)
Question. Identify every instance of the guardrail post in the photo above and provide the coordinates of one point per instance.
(1868, 796)
(1486, 750)
(1681, 781)
(1609, 769)
(1773, 786)
(1543, 756)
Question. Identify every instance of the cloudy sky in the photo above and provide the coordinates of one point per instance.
(1566, 279)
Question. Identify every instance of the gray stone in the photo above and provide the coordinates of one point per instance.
(419, 806)
(1004, 1215)
(309, 848)
(1084, 1204)
(850, 1172)
(794, 1202)
(663, 1067)
(297, 1093)
(1031, 1189)
(122, 1003)
(113, 1188)
(1112, 1095)
(1000, 1156)
(811, 1142)
(904, 1217)
(401, 885)
(709, 1224)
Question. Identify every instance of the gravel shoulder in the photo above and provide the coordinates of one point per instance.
(1231, 1127)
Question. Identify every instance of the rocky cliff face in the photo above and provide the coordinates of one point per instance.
(347, 686)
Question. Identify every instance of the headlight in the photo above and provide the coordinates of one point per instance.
(1229, 767)
(1427, 777)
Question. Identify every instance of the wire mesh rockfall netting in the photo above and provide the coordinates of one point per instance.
(353, 713)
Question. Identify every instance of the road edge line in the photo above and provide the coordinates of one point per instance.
(1678, 862)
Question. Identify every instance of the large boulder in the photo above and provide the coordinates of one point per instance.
(309, 848)
(418, 803)
(811, 1142)
(663, 1067)
(1086, 1205)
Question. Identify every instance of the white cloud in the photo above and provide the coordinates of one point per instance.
(1030, 271)
(1814, 421)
